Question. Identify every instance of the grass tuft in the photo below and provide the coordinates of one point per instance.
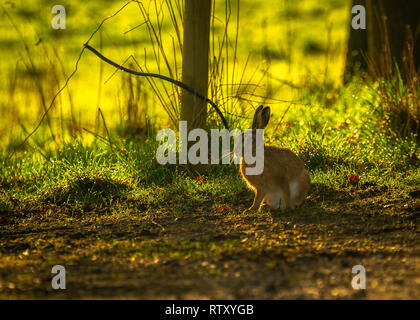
(86, 188)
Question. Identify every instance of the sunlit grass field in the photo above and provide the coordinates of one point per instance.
(280, 46)
(92, 160)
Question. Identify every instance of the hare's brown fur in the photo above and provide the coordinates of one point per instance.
(284, 177)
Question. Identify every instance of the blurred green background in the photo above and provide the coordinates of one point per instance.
(277, 47)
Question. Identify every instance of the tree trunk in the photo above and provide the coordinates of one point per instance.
(388, 27)
(195, 59)
(357, 45)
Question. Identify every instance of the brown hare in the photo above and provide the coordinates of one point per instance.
(284, 182)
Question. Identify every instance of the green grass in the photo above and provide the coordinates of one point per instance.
(345, 140)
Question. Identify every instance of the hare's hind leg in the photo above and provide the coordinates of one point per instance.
(295, 199)
(298, 190)
(285, 195)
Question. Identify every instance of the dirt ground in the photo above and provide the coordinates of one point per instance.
(130, 250)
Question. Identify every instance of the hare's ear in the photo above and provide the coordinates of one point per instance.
(256, 121)
(265, 117)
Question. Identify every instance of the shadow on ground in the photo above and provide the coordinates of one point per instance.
(129, 250)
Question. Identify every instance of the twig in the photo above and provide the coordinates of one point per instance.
(154, 75)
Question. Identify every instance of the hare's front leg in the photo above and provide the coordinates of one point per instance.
(273, 200)
(257, 201)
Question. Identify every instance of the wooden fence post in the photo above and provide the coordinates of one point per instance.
(195, 60)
